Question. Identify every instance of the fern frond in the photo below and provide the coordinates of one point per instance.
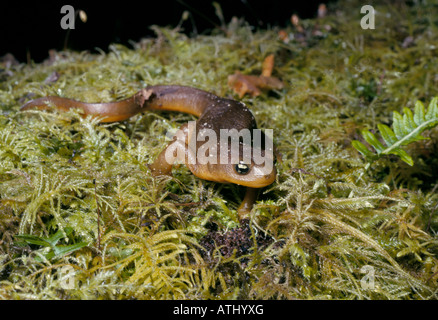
(406, 129)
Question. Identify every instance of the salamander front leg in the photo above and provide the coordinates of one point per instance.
(176, 151)
(247, 203)
(161, 166)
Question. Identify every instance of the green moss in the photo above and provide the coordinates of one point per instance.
(328, 218)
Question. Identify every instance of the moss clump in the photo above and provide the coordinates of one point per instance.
(329, 228)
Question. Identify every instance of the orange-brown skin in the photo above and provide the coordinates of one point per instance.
(214, 113)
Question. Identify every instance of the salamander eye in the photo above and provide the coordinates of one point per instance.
(242, 168)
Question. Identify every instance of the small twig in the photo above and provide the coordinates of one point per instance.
(98, 215)
(183, 204)
(83, 16)
(294, 170)
(431, 277)
(433, 210)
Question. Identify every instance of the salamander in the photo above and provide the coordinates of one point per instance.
(214, 113)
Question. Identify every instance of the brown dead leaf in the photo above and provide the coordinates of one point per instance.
(253, 85)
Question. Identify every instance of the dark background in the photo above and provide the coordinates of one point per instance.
(29, 29)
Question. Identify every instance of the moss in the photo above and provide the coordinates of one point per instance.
(314, 234)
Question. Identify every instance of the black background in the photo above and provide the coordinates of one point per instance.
(29, 29)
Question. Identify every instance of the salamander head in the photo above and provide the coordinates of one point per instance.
(250, 174)
(255, 174)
